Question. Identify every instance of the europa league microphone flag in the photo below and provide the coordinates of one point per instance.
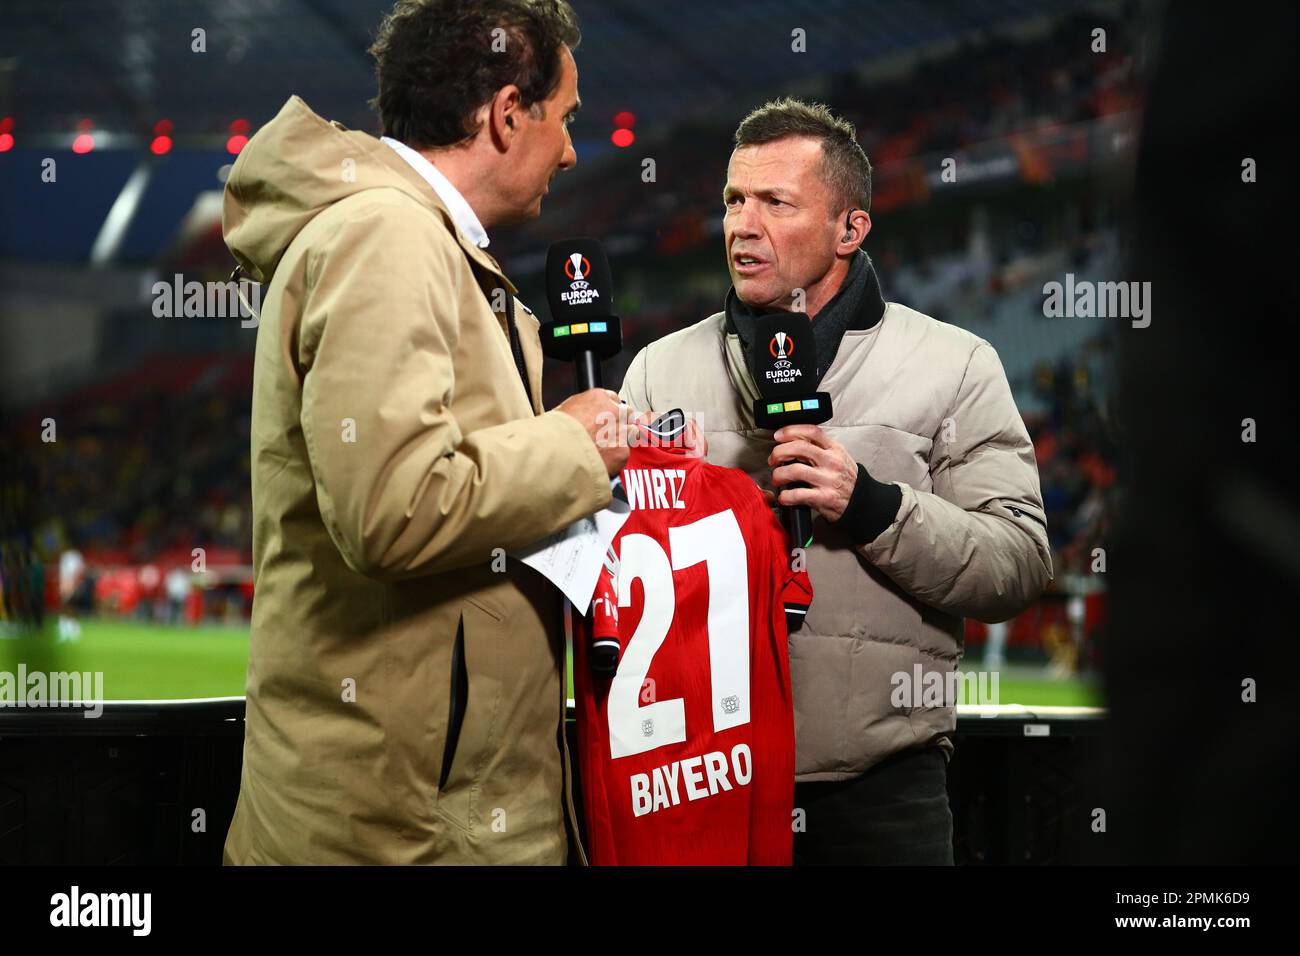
(578, 283)
(583, 327)
(783, 361)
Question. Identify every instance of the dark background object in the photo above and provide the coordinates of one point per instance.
(1212, 521)
(1022, 790)
(122, 789)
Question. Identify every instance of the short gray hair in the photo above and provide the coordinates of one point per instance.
(845, 166)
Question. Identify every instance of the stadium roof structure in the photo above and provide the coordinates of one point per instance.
(117, 68)
(124, 64)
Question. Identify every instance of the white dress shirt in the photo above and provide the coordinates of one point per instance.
(461, 212)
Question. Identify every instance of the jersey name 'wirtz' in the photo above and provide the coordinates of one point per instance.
(650, 488)
(696, 777)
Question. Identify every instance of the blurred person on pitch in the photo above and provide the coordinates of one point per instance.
(405, 692)
(924, 488)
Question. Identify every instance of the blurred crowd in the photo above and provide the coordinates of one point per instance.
(995, 88)
(135, 489)
(975, 93)
(146, 473)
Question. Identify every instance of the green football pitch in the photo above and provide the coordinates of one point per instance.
(142, 661)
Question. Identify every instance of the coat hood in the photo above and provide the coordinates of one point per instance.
(297, 166)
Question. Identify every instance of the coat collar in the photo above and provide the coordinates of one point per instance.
(425, 193)
(461, 211)
(863, 303)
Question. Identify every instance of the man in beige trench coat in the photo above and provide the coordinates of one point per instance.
(405, 691)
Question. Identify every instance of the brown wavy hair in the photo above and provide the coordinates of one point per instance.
(436, 64)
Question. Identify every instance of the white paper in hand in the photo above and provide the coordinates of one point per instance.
(572, 557)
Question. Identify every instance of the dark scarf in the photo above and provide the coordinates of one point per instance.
(858, 305)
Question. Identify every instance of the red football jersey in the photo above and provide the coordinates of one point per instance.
(687, 752)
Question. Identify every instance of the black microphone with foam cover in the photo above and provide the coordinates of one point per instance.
(583, 327)
(583, 330)
(783, 361)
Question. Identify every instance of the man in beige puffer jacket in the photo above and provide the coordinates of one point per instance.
(923, 484)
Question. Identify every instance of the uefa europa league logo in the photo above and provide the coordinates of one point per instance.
(577, 267)
(781, 348)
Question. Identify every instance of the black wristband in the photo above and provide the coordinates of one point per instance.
(871, 508)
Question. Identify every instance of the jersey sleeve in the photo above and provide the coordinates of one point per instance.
(605, 645)
(796, 598)
(604, 603)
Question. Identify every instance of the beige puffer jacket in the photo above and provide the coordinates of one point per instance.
(921, 404)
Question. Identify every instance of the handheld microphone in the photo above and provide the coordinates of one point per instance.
(583, 327)
(783, 361)
(583, 330)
